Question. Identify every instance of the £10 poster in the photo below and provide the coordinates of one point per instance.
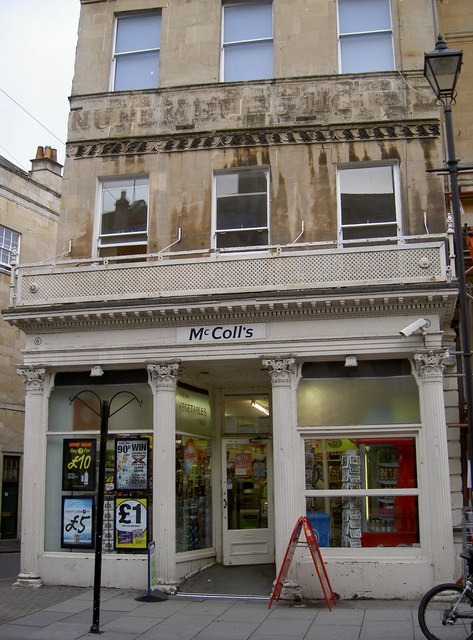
(78, 464)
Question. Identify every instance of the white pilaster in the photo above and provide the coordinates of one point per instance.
(430, 367)
(34, 449)
(163, 381)
(287, 497)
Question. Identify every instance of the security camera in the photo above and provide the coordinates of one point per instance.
(421, 323)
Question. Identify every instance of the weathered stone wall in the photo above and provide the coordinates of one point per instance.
(305, 39)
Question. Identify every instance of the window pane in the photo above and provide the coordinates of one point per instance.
(137, 71)
(343, 464)
(248, 22)
(363, 15)
(242, 239)
(247, 486)
(362, 401)
(9, 243)
(242, 211)
(124, 206)
(368, 208)
(250, 61)
(370, 231)
(136, 33)
(247, 414)
(367, 199)
(367, 180)
(371, 52)
(193, 494)
(244, 182)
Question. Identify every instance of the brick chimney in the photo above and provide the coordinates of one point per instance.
(46, 170)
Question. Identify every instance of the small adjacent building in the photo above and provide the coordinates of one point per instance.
(29, 213)
(260, 285)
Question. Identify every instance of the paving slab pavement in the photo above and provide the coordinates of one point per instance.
(65, 613)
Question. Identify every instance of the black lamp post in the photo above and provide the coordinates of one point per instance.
(442, 68)
(104, 414)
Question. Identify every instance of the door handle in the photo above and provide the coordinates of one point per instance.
(224, 503)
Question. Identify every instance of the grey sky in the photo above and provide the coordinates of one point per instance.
(37, 51)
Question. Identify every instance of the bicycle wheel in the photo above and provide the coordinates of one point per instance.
(435, 608)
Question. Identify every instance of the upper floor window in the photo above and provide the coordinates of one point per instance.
(136, 55)
(365, 34)
(242, 208)
(247, 42)
(9, 244)
(368, 202)
(123, 216)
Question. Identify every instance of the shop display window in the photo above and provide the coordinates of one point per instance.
(71, 481)
(73, 445)
(362, 492)
(193, 493)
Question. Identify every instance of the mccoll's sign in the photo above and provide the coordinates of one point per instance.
(222, 333)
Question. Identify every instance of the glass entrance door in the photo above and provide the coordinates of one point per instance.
(248, 530)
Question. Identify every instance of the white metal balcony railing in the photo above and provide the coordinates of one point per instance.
(190, 275)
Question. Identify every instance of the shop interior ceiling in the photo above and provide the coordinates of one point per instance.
(233, 373)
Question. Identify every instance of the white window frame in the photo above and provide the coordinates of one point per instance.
(10, 245)
(361, 34)
(122, 239)
(116, 55)
(225, 45)
(392, 432)
(397, 205)
(216, 231)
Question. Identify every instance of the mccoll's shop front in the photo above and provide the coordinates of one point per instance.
(219, 441)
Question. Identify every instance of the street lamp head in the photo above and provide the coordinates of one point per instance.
(442, 68)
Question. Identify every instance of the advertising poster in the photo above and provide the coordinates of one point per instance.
(78, 464)
(243, 465)
(131, 523)
(78, 522)
(131, 464)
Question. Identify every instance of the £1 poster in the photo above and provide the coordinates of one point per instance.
(78, 464)
(131, 464)
(78, 522)
(131, 523)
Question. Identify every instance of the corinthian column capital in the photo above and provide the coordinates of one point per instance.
(430, 366)
(281, 370)
(33, 377)
(163, 375)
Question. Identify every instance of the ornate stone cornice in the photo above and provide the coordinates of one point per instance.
(163, 376)
(281, 370)
(187, 312)
(430, 366)
(253, 138)
(33, 377)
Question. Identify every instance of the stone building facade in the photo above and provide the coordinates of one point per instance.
(29, 213)
(261, 283)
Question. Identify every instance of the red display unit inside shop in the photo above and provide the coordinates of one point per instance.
(389, 521)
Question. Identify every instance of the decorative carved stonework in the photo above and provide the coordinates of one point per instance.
(281, 370)
(230, 139)
(430, 366)
(163, 376)
(33, 378)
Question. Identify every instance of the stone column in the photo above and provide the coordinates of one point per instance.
(430, 367)
(34, 473)
(288, 495)
(163, 381)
